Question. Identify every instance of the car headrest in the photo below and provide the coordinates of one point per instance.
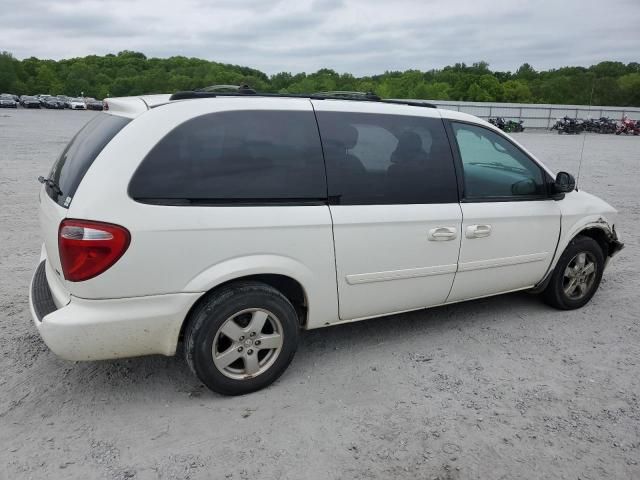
(344, 135)
(349, 136)
(408, 143)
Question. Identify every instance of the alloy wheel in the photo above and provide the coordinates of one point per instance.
(247, 344)
(580, 275)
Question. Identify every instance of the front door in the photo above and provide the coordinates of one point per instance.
(396, 218)
(511, 227)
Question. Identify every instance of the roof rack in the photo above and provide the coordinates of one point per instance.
(242, 90)
(349, 95)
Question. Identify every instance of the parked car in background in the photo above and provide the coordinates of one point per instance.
(42, 97)
(54, 102)
(93, 104)
(224, 224)
(65, 100)
(28, 101)
(7, 101)
(77, 104)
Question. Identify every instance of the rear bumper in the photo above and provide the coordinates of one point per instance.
(106, 329)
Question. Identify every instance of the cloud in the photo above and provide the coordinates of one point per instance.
(357, 36)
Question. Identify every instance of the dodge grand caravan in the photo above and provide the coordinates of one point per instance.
(224, 223)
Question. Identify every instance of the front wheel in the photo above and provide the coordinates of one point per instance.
(241, 338)
(577, 275)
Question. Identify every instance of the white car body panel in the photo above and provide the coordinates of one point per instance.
(581, 211)
(51, 214)
(514, 255)
(386, 263)
(295, 241)
(383, 260)
(104, 329)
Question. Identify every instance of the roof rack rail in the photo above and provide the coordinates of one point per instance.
(214, 91)
(242, 90)
(348, 95)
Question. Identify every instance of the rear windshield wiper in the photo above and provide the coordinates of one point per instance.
(51, 184)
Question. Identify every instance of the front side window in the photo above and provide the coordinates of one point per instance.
(386, 159)
(494, 168)
(250, 155)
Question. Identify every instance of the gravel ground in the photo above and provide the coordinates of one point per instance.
(499, 388)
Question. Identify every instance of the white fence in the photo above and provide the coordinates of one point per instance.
(536, 115)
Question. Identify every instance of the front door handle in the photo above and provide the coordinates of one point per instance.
(478, 231)
(442, 234)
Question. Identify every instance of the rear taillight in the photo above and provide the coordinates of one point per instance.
(88, 248)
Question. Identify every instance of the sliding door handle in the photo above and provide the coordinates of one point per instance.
(478, 231)
(442, 234)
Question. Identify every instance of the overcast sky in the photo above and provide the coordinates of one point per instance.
(362, 37)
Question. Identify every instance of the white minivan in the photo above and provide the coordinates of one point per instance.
(225, 222)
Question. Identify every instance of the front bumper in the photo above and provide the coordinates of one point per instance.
(615, 245)
(106, 329)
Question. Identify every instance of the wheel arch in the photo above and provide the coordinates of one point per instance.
(599, 234)
(599, 230)
(291, 288)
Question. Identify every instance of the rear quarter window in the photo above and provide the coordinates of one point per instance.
(250, 155)
(80, 153)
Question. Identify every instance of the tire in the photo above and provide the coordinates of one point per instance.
(232, 309)
(559, 293)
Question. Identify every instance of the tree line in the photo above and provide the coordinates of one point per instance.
(132, 73)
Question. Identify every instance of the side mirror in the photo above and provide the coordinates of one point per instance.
(564, 183)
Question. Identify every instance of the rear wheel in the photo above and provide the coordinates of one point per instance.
(577, 275)
(242, 338)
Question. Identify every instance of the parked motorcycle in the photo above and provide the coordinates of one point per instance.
(498, 122)
(591, 125)
(513, 126)
(568, 125)
(628, 126)
(607, 125)
(507, 126)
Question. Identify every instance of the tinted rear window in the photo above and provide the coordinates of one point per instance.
(78, 156)
(386, 159)
(235, 156)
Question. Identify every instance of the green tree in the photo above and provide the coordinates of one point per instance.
(476, 93)
(630, 89)
(133, 73)
(526, 72)
(516, 91)
(8, 76)
(492, 86)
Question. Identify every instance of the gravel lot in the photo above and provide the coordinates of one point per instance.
(500, 388)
